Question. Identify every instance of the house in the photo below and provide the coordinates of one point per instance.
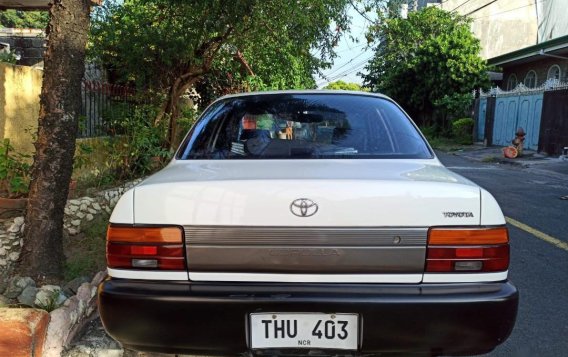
(534, 65)
(527, 41)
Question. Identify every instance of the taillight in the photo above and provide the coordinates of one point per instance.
(467, 250)
(157, 248)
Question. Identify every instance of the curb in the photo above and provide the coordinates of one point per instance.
(502, 161)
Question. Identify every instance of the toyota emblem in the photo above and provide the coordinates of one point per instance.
(303, 207)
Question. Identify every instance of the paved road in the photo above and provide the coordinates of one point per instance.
(539, 263)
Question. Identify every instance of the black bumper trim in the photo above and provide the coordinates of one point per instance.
(211, 318)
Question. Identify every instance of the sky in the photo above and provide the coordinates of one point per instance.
(351, 56)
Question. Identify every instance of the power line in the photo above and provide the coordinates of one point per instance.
(345, 73)
(348, 71)
(481, 7)
(352, 48)
(356, 69)
(503, 12)
(334, 71)
(462, 4)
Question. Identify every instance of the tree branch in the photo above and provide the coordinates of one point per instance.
(240, 58)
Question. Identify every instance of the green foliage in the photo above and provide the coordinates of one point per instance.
(24, 19)
(185, 122)
(51, 303)
(82, 156)
(8, 57)
(343, 86)
(14, 171)
(430, 132)
(455, 105)
(462, 130)
(114, 114)
(134, 152)
(421, 59)
(167, 45)
(440, 139)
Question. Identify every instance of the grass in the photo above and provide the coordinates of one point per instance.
(445, 141)
(490, 159)
(85, 252)
(87, 185)
(446, 144)
(51, 303)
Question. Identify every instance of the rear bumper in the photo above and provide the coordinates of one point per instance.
(212, 318)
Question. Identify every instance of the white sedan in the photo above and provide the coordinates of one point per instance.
(307, 223)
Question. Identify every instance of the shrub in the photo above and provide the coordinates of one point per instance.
(188, 117)
(462, 131)
(136, 147)
(8, 57)
(14, 171)
(430, 132)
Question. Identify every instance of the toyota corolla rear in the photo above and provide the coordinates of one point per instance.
(307, 223)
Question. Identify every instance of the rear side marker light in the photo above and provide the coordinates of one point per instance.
(467, 250)
(156, 248)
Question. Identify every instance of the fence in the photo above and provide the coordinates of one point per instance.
(101, 104)
(499, 113)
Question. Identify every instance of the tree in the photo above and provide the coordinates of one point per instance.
(421, 59)
(60, 104)
(168, 46)
(343, 85)
(24, 19)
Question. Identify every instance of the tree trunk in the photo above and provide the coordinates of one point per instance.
(172, 110)
(60, 103)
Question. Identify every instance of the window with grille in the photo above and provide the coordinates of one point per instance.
(530, 79)
(512, 82)
(554, 72)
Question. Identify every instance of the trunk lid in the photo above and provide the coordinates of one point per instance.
(372, 216)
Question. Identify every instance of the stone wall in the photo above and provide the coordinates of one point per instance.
(78, 213)
(71, 305)
(29, 44)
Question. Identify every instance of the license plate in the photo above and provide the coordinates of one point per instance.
(308, 330)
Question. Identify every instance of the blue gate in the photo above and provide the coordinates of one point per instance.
(516, 111)
(481, 119)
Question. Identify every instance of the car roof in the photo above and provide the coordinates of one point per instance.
(306, 91)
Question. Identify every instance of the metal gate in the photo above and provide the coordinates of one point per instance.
(514, 111)
(481, 119)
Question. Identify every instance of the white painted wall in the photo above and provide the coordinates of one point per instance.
(503, 26)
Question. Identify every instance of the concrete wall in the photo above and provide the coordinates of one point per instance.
(552, 19)
(502, 27)
(20, 88)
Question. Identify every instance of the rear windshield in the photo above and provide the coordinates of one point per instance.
(304, 126)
